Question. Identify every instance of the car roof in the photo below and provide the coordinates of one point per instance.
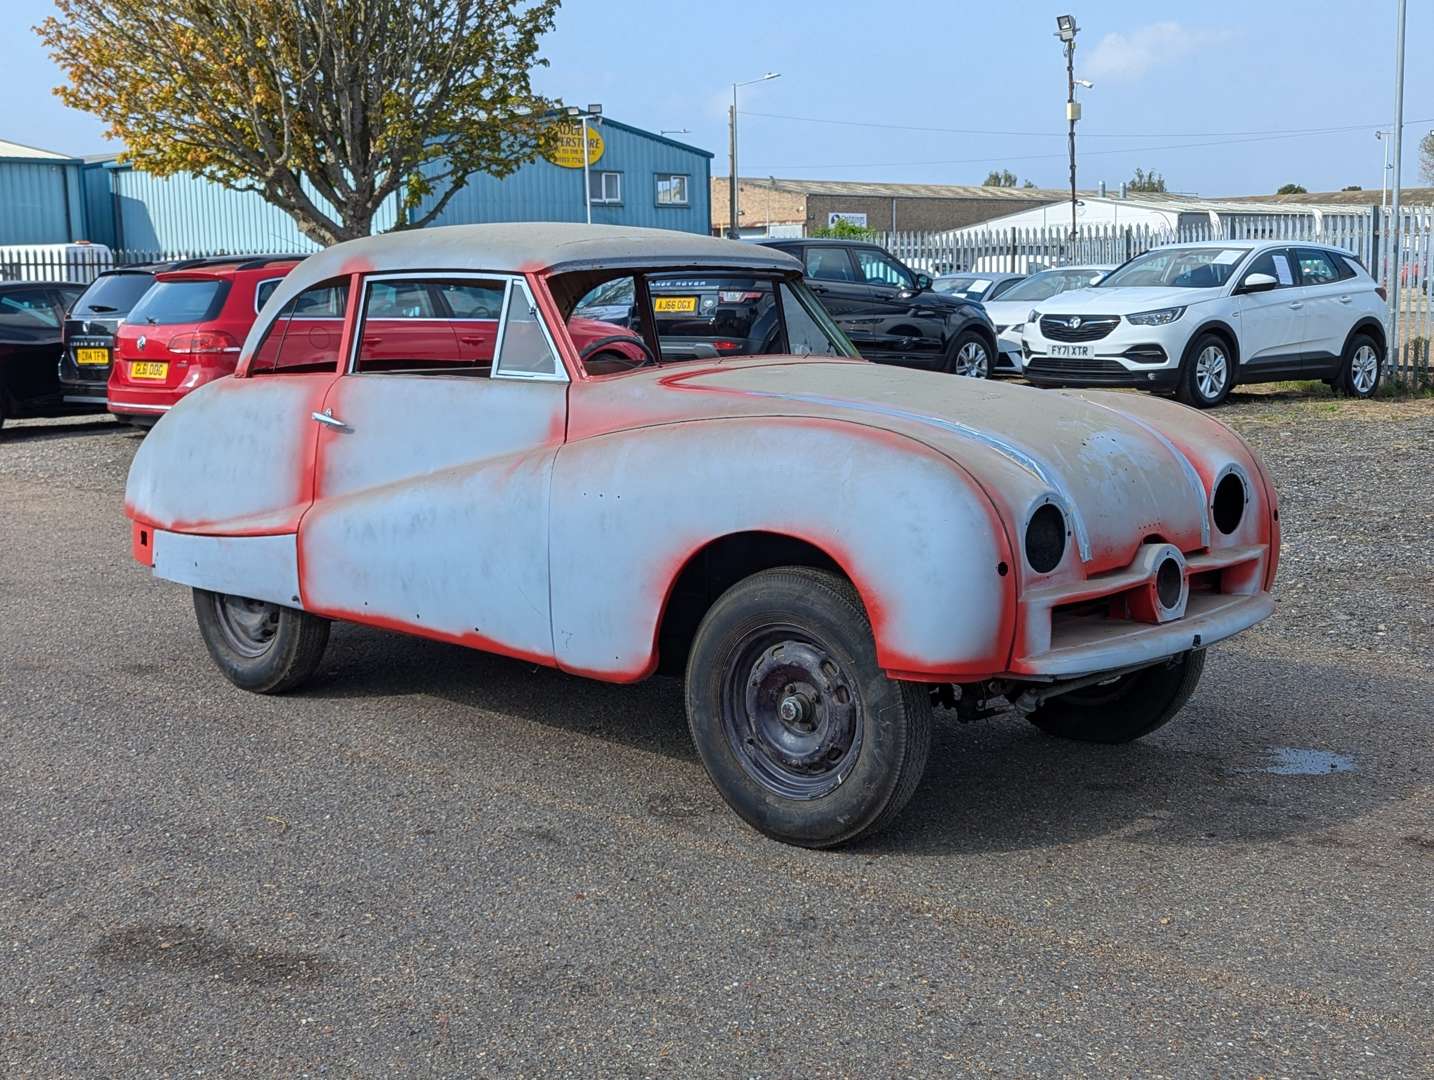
(278, 264)
(984, 275)
(169, 265)
(818, 241)
(7, 285)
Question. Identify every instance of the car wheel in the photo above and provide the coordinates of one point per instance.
(1359, 374)
(1207, 374)
(1125, 708)
(797, 725)
(260, 646)
(970, 356)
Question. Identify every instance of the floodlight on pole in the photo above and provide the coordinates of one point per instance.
(733, 184)
(1066, 30)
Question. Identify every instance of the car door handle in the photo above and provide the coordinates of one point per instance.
(1296, 304)
(471, 340)
(328, 419)
(372, 340)
(1346, 300)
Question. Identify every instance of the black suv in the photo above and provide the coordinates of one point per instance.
(92, 322)
(890, 312)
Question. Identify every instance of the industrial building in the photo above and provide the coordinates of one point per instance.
(635, 177)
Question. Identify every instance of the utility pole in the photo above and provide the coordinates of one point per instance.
(1383, 176)
(1394, 297)
(591, 113)
(734, 209)
(1066, 30)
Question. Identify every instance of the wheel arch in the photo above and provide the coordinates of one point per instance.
(1223, 330)
(1374, 328)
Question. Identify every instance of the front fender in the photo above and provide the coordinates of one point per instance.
(917, 536)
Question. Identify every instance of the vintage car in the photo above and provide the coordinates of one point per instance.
(825, 547)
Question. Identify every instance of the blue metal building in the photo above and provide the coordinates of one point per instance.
(635, 177)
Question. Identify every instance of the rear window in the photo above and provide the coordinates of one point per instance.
(113, 295)
(171, 302)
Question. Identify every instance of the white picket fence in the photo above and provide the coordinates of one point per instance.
(1372, 235)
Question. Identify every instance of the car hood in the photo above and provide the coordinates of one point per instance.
(1123, 467)
(1007, 312)
(1118, 301)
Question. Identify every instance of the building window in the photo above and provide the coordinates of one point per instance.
(672, 189)
(605, 187)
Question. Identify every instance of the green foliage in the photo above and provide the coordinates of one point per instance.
(1150, 181)
(999, 178)
(1351, 187)
(1426, 158)
(1292, 189)
(358, 101)
(843, 230)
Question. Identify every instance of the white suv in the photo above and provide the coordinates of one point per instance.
(1195, 319)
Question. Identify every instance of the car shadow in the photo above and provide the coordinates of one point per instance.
(993, 786)
(17, 431)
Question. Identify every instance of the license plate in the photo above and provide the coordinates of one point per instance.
(149, 369)
(1070, 350)
(97, 357)
(675, 303)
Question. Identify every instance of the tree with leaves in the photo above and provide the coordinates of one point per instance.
(1150, 181)
(999, 178)
(1426, 158)
(1351, 187)
(327, 108)
(1292, 189)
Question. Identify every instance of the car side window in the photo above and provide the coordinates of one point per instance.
(525, 351)
(305, 335)
(878, 268)
(1274, 263)
(472, 301)
(412, 327)
(1316, 267)
(829, 264)
(28, 309)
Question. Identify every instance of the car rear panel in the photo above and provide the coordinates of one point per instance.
(89, 332)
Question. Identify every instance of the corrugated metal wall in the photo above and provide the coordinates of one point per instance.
(542, 191)
(40, 202)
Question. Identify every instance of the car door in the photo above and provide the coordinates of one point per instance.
(30, 325)
(431, 480)
(832, 275)
(1325, 315)
(1268, 322)
(903, 328)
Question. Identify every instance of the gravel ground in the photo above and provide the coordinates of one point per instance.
(438, 862)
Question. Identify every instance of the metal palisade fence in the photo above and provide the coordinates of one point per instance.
(1371, 235)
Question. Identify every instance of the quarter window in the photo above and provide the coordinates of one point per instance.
(305, 335)
(605, 187)
(671, 189)
(526, 351)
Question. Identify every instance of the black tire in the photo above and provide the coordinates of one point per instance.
(1131, 707)
(1195, 387)
(260, 646)
(856, 742)
(961, 357)
(1361, 368)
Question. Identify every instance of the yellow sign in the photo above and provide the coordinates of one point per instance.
(567, 152)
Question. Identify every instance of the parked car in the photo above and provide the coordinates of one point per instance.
(821, 546)
(1198, 319)
(1008, 311)
(968, 285)
(696, 315)
(185, 331)
(890, 313)
(91, 324)
(31, 313)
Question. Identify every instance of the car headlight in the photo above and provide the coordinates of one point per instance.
(1016, 328)
(1033, 315)
(1002, 329)
(1159, 317)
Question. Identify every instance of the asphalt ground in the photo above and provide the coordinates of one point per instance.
(435, 862)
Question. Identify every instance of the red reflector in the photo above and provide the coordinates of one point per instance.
(202, 341)
(729, 345)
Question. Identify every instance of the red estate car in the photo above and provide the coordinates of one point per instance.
(186, 331)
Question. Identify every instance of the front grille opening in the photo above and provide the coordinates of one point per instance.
(1229, 505)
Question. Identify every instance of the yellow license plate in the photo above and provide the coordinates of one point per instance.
(92, 356)
(149, 369)
(675, 303)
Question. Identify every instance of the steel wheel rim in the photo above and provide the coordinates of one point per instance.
(1364, 368)
(792, 713)
(248, 626)
(971, 359)
(1211, 371)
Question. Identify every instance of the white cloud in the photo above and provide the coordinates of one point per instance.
(1131, 55)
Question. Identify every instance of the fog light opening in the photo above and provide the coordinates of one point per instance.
(1046, 539)
(1228, 507)
(1169, 581)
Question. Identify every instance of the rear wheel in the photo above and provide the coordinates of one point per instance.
(1125, 708)
(1359, 373)
(1207, 374)
(258, 645)
(797, 725)
(970, 356)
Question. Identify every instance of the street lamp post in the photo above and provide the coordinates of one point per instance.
(1394, 352)
(1384, 176)
(733, 209)
(1066, 30)
(594, 113)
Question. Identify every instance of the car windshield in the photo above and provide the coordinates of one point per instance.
(113, 295)
(969, 288)
(1050, 282)
(1180, 268)
(171, 302)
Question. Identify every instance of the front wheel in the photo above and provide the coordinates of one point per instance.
(970, 356)
(797, 725)
(1207, 374)
(260, 646)
(1126, 708)
(1359, 373)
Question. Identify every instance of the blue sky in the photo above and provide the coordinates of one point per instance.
(1176, 87)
